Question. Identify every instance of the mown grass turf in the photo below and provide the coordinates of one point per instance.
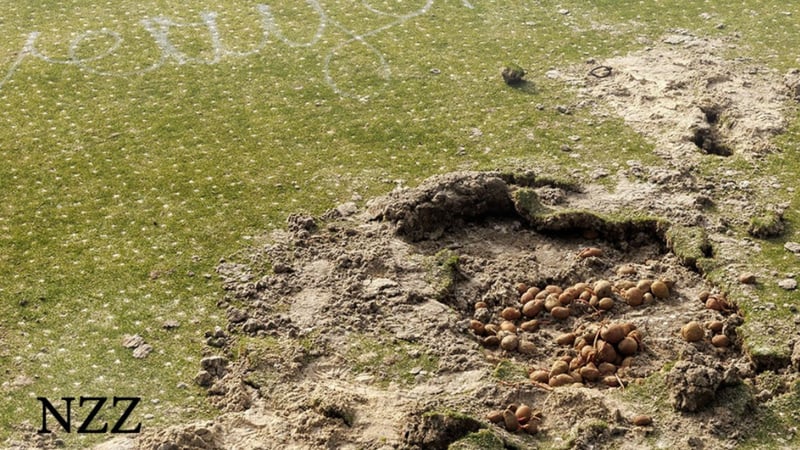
(128, 171)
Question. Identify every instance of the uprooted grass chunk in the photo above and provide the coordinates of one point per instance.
(481, 440)
(767, 225)
(513, 74)
(690, 244)
(444, 201)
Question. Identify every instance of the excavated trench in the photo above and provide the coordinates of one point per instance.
(708, 137)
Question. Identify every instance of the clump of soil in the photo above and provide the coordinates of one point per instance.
(513, 74)
(354, 330)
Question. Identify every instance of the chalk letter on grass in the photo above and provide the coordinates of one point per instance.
(27, 49)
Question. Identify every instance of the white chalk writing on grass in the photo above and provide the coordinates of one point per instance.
(160, 27)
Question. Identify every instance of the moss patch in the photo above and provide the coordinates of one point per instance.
(507, 370)
(481, 440)
(690, 245)
(443, 273)
(389, 360)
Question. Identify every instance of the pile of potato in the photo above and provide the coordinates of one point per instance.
(599, 354)
(517, 418)
(598, 350)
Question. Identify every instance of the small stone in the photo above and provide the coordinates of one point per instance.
(218, 388)
(747, 278)
(215, 365)
(280, 268)
(789, 284)
(347, 209)
(133, 341)
(763, 396)
(171, 324)
(203, 379)
(695, 442)
(793, 247)
(253, 325)
(552, 74)
(142, 351)
(563, 11)
(236, 315)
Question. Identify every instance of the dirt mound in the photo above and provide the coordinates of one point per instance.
(359, 330)
(690, 99)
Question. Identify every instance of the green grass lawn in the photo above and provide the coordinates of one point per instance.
(142, 141)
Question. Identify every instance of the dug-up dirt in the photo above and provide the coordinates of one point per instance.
(467, 314)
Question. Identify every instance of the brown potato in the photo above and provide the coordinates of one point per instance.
(510, 420)
(523, 413)
(605, 303)
(692, 332)
(508, 325)
(715, 326)
(589, 372)
(532, 308)
(560, 312)
(509, 343)
(561, 380)
(602, 288)
(566, 339)
(642, 420)
(559, 367)
(613, 333)
(529, 326)
(605, 352)
(628, 346)
(634, 296)
(660, 289)
(510, 313)
(526, 347)
(495, 416)
(720, 340)
(540, 376)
